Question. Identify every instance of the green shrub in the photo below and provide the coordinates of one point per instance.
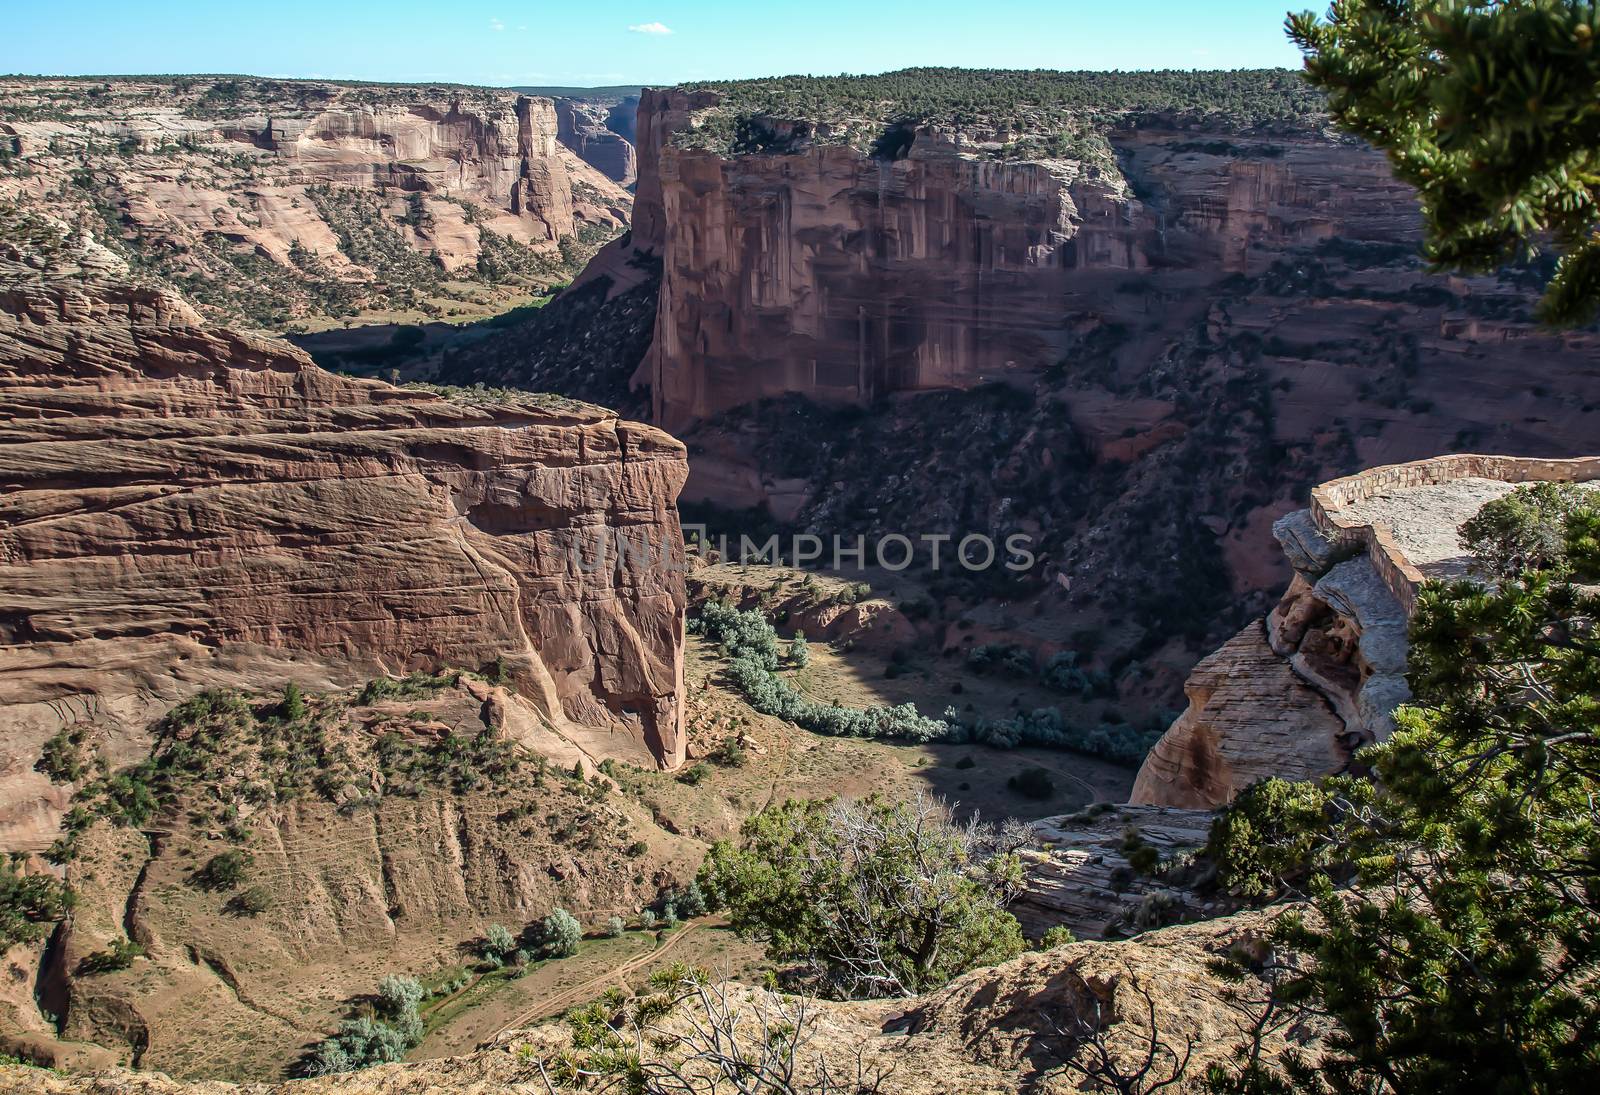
(559, 935)
(62, 758)
(1058, 936)
(497, 943)
(398, 994)
(730, 754)
(29, 905)
(876, 897)
(252, 901)
(225, 871)
(293, 706)
(694, 774)
(615, 927)
(119, 956)
(360, 1043)
(1034, 783)
(1528, 530)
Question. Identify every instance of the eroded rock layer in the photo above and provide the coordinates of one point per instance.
(185, 506)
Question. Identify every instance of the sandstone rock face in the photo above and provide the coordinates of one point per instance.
(316, 196)
(589, 128)
(843, 276)
(185, 506)
(1078, 873)
(1296, 695)
(1249, 717)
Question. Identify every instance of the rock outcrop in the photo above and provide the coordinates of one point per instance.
(185, 506)
(1296, 694)
(310, 198)
(1078, 871)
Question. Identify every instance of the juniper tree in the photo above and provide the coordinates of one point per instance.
(1491, 109)
(1457, 938)
(877, 898)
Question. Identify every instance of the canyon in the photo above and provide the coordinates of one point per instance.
(1140, 356)
(1142, 348)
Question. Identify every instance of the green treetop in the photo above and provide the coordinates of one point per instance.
(1491, 109)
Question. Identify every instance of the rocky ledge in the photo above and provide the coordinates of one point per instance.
(183, 507)
(1296, 694)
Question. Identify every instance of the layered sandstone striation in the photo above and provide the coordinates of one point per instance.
(1296, 694)
(1078, 873)
(322, 199)
(185, 506)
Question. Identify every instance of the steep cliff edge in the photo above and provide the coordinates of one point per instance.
(186, 506)
(282, 203)
(1296, 694)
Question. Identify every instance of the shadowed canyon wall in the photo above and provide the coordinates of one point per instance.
(600, 132)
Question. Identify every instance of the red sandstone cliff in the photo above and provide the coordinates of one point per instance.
(184, 506)
(1187, 342)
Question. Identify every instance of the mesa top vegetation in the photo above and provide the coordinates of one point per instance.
(1020, 111)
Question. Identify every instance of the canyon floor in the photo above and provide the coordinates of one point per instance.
(238, 997)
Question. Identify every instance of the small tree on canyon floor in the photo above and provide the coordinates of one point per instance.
(560, 935)
(497, 943)
(871, 897)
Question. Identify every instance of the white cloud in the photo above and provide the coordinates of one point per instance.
(496, 25)
(650, 28)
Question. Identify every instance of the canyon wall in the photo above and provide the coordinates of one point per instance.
(1140, 361)
(186, 507)
(845, 276)
(322, 199)
(598, 131)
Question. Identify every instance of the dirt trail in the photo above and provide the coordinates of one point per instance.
(553, 1005)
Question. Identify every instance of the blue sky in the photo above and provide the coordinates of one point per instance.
(590, 42)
